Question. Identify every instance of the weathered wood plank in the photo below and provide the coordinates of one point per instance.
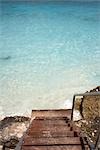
(47, 129)
(52, 141)
(51, 118)
(47, 126)
(51, 134)
(68, 147)
(52, 113)
(50, 122)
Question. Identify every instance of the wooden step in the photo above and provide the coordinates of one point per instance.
(47, 129)
(51, 134)
(50, 122)
(48, 125)
(52, 130)
(52, 113)
(68, 147)
(51, 118)
(51, 141)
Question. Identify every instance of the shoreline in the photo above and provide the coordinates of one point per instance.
(13, 127)
(62, 100)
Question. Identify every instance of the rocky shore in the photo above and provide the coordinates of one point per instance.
(11, 130)
(89, 107)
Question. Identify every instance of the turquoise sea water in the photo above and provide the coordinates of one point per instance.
(48, 52)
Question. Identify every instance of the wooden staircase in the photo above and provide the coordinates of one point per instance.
(49, 131)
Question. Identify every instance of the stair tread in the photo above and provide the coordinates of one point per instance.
(51, 141)
(69, 147)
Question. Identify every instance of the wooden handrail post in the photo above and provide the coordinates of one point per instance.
(73, 107)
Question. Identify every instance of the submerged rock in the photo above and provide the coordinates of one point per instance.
(5, 58)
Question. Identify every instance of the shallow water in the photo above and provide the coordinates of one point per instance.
(48, 52)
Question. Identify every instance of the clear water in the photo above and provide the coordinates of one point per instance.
(48, 52)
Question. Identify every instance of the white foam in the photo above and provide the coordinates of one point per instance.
(67, 104)
(1, 113)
